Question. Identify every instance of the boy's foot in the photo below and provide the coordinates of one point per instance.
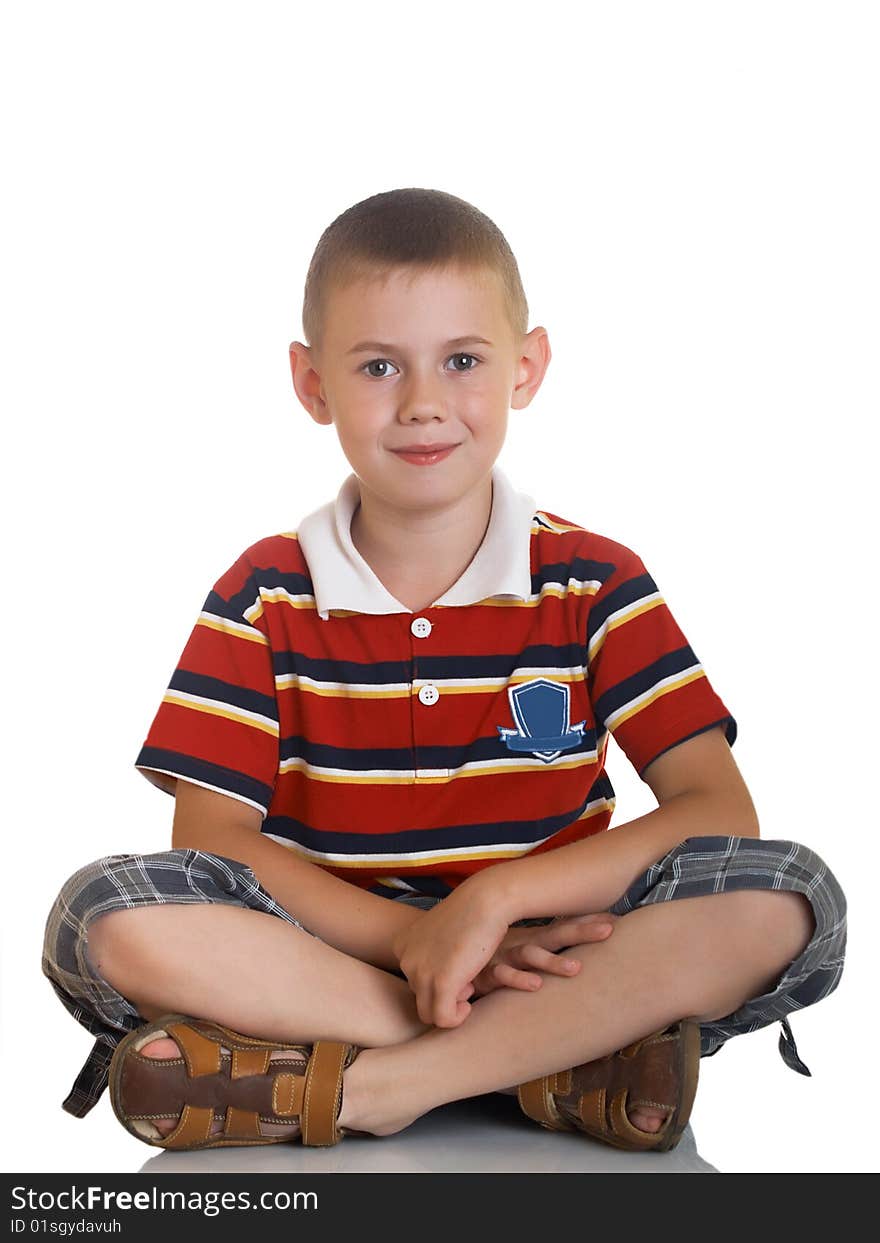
(164, 1047)
(645, 1119)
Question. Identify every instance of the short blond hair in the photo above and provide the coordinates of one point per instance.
(408, 228)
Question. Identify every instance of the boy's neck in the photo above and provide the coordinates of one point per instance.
(419, 555)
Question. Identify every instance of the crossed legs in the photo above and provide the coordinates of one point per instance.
(698, 957)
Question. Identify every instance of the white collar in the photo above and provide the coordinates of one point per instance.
(342, 579)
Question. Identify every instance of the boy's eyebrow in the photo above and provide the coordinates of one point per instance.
(382, 345)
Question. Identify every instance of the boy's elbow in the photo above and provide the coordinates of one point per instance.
(751, 828)
(744, 819)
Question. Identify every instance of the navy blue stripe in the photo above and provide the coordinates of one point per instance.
(430, 886)
(269, 576)
(636, 684)
(231, 610)
(357, 759)
(581, 569)
(226, 692)
(202, 770)
(632, 590)
(441, 837)
(380, 672)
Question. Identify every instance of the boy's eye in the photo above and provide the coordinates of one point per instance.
(378, 362)
(385, 364)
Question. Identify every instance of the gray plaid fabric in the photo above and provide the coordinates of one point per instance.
(697, 866)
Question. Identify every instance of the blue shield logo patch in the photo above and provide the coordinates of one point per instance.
(541, 710)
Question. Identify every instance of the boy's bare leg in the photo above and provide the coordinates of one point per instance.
(249, 971)
(694, 957)
(698, 957)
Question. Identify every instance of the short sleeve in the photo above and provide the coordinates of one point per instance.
(217, 724)
(647, 686)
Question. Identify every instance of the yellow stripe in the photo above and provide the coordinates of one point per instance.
(637, 611)
(236, 632)
(406, 861)
(291, 681)
(278, 598)
(408, 778)
(230, 714)
(556, 528)
(657, 694)
(607, 804)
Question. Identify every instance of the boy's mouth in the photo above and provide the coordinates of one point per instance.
(425, 455)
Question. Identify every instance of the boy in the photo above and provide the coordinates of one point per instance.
(388, 730)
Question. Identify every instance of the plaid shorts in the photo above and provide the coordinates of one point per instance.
(695, 867)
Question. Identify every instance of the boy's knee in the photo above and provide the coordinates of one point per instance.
(123, 938)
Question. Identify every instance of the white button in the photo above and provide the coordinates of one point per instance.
(421, 627)
(428, 695)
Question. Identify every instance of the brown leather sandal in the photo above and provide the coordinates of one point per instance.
(223, 1075)
(659, 1071)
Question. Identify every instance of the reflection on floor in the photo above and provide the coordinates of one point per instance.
(485, 1134)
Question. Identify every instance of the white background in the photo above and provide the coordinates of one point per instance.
(691, 190)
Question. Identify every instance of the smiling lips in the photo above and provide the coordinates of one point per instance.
(425, 455)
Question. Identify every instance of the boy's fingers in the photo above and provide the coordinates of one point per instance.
(578, 930)
(446, 1010)
(513, 977)
(546, 960)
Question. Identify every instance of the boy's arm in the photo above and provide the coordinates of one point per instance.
(701, 793)
(350, 919)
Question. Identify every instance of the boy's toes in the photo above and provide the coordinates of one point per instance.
(163, 1046)
(650, 1120)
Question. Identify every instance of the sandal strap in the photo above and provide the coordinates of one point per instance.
(201, 1084)
(536, 1099)
(322, 1094)
(194, 1127)
(594, 1097)
(202, 1055)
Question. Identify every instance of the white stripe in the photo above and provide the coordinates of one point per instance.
(276, 594)
(571, 583)
(600, 634)
(219, 703)
(230, 625)
(394, 882)
(405, 688)
(611, 720)
(415, 856)
(290, 679)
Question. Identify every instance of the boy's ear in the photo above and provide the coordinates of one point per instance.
(532, 366)
(307, 382)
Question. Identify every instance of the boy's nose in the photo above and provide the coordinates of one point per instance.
(422, 405)
(422, 395)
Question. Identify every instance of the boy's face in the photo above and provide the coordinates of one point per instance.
(420, 358)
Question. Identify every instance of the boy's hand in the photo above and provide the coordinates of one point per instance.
(441, 953)
(524, 952)
(464, 945)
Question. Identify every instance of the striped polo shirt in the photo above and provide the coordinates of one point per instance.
(407, 751)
